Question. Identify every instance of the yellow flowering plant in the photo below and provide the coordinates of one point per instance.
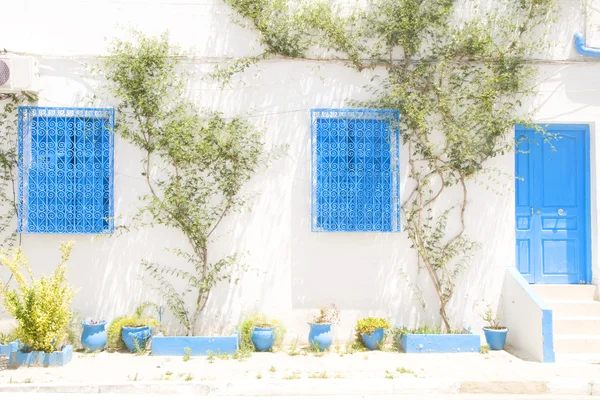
(41, 306)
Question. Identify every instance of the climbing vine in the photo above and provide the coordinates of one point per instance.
(458, 79)
(194, 166)
(9, 103)
(9, 163)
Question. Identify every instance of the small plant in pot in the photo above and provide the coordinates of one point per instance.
(93, 337)
(260, 333)
(8, 343)
(6, 338)
(320, 336)
(132, 331)
(371, 331)
(40, 306)
(495, 334)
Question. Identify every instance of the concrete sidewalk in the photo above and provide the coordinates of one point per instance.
(368, 373)
(112, 396)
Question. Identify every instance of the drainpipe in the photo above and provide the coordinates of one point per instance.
(583, 49)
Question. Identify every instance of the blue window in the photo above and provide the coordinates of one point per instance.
(65, 170)
(355, 170)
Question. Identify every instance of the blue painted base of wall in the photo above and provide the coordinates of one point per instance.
(199, 345)
(54, 359)
(548, 336)
(6, 349)
(464, 343)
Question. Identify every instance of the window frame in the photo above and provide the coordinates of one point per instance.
(392, 117)
(26, 116)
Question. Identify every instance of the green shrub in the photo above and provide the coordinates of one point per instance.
(492, 319)
(73, 330)
(40, 306)
(366, 326)
(246, 328)
(114, 340)
(6, 338)
(424, 330)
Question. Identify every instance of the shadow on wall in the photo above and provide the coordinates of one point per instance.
(104, 268)
(490, 222)
(363, 273)
(299, 269)
(292, 268)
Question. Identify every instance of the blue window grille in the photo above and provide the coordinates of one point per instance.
(65, 170)
(355, 170)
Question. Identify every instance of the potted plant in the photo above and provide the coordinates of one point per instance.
(495, 334)
(8, 343)
(320, 336)
(191, 346)
(371, 331)
(259, 332)
(428, 339)
(41, 308)
(263, 334)
(132, 331)
(93, 337)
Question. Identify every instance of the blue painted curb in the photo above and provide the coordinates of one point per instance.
(6, 349)
(441, 343)
(56, 358)
(199, 345)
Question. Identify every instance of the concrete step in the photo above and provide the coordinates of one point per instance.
(577, 344)
(577, 326)
(568, 309)
(583, 358)
(567, 292)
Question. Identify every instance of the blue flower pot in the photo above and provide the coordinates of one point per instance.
(495, 338)
(136, 338)
(263, 338)
(373, 340)
(320, 336)
(93, 337)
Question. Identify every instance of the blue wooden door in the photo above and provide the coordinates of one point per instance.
(552, 203)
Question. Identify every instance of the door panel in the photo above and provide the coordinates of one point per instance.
(559, 172)
(552, 193)
(559, 257)
(523, 203)
(523, 258)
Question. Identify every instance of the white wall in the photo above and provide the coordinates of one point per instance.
(522, 311)
(295, 270)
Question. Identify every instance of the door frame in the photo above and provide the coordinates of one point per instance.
(587, 184)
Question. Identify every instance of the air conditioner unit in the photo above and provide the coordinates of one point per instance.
(18, 74)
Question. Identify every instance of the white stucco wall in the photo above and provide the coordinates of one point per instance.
(294, 270)
(523, 311)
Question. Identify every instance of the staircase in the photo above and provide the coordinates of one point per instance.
(576, 317)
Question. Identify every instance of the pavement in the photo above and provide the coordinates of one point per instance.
(62, 396)
(332, 373)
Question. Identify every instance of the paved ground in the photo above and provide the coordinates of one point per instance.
(280, 366)
(62, 396)
(374, 373)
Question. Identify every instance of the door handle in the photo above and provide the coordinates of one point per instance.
(531, 210)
